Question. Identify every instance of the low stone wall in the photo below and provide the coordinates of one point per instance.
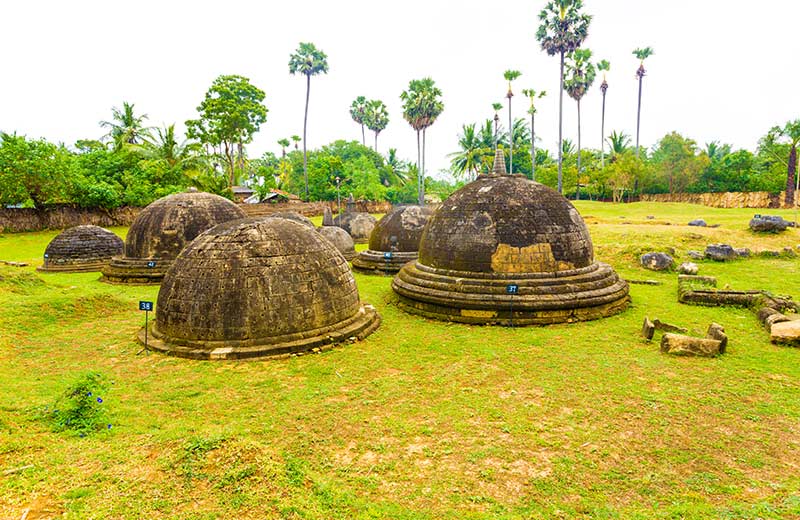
(753, 199)
(62, 217)
(312, 209)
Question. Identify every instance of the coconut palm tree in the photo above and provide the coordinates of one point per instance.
(642, 54)
(531, 94)
(357, 111)
(510, 75)
(618, 142)
(469, 158)
(581, 73)
(421, 107)
(604, 65)
(562, 29)
(789, 134)
(376, 117)
(125, 127)
(395, 171)
(309, 61)
(497, 108)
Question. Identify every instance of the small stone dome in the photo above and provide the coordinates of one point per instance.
(340, 239)
(297, 217)
(504, 241)
(399, 233)
(358, 225)
(80, 249)
(258, 287)
(162, 230)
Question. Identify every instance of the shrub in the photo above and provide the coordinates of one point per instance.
(81, 408)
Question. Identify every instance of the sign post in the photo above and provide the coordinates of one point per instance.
(147, 307)
(511, 290)
(388, 257)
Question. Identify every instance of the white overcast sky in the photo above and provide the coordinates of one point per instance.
(723, 69)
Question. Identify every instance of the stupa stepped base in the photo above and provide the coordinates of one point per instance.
(135, 271)
(583, 294)
(373, 262)
(359, 326)
(74, 266)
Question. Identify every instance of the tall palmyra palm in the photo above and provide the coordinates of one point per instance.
(497, 108)
(532, 95)
(284, 144)
(605, 66)
(296, 140)
(421, 107)
(309, 61)
(510, 75)
(125, 127)
(581, 73)
(468, 159)
(357, 111)
(562, 29)
(789, 134)
(642, 54)
(376, 117)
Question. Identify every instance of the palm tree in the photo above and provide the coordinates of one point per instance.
(357, 111)
(284, 144)
(376, 117)
(531, 94)
(178, 158)
(421, 107)
(497, 108)
(296, 139)
(582, 76)
(789, 134)
(125, 127)
(642, 54)
(309, 61)
(510, 75)
(469, 158)
(604, 65)
(395, 171)
(619, 142)
(563, 29)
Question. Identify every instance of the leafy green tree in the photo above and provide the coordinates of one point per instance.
(562, 29)
(468, 160)
(726, 170)
(308, 61)
(358, 110)
(581, 76)
(231, 113)
(623, 172)
(677, 162)
(789, 134)
(421, 107)
(34, 171)
(532, 95)
(641, 54)
(604, 66)
(125, 127)
(376, 117)
(510, 75)
(365, 180)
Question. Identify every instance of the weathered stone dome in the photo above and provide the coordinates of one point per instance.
(81, 248)
(399, 233)
(258, 287)
(358, 225)
(162, 230)
(293, 215)
(340, 239)
(501, 231)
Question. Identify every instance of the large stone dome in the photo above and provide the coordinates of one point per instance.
(397, 233)
(258, 287)
(162, 230)
(501, 232)
(81, 248)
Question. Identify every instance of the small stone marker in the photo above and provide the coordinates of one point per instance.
(657, 261)
(717, 332)
(648, 329)
(668, 327)
(327, 217)
(786, 333)
(720, 252)
(688, 268)
(679, 345)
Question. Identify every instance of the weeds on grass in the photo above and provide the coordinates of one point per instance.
(81, 409)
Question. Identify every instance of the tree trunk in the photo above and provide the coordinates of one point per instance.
(376, 141)
(305, 125)
(231, 165)
(510, 135)
(422, 173)
(791, 174)
(419, 173)
(578, 174)
(560, 123)
(533, 151)
(638, 116)
(603, 134)
(363, 138)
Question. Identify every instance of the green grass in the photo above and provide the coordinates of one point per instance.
(422, 420)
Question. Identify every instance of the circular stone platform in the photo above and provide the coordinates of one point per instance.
(258, 287)
(162, 230)
(397, 233)
(340, 239)
(501, 231)
(81, 249)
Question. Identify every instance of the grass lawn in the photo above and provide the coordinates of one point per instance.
(422, 420)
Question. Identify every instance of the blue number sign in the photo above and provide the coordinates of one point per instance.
(387, 255)
(151, 264)
(512, 288)
(146, 306)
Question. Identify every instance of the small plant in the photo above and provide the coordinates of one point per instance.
(81, 408)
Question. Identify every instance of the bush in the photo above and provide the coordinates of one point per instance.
(81, 408)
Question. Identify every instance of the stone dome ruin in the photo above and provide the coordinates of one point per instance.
(258, 287)
(81, 249)
(162, 230)
(358, 224)
(340, 239)
(398, 233)
(504, 242)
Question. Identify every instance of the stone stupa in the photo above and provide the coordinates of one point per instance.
(341, 239)
(357, 223)
(504, 244)
(162, 230)
(395, 240)
(81, 249)
(258, 287)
